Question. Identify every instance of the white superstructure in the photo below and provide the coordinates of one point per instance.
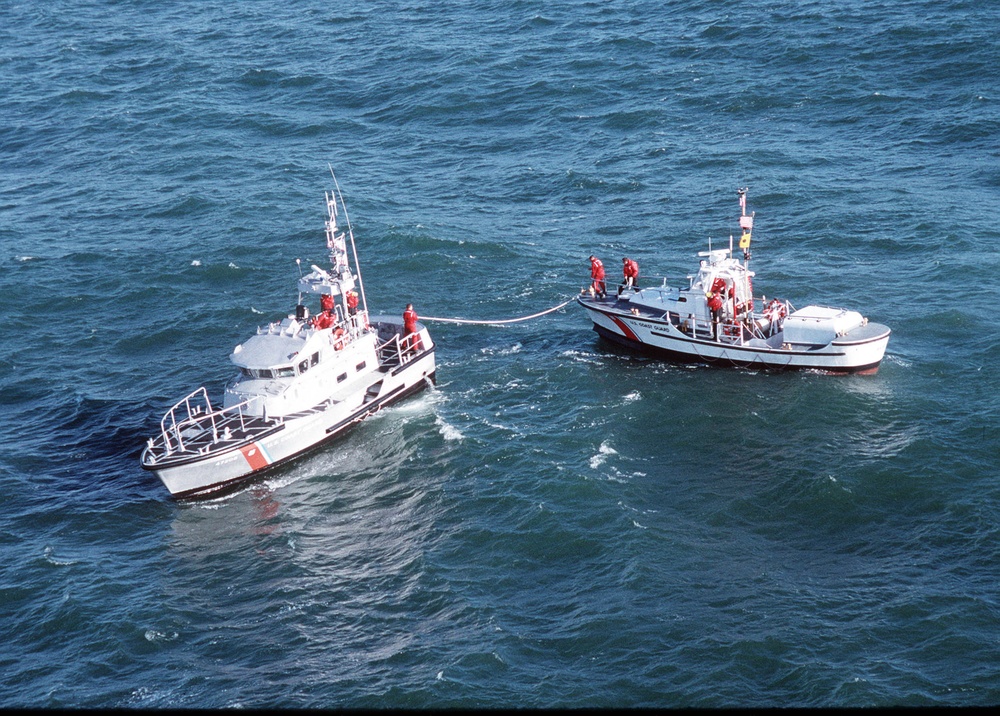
(715, 319)
(302, 381)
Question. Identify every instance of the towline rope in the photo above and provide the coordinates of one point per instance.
(506, 320)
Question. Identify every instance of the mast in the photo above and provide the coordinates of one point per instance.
(354, 248)
(746, 224)
(338, 280)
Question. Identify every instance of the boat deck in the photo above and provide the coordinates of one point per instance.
(200, 437)
(730, 332)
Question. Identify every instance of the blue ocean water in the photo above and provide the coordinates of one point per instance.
(557, 523)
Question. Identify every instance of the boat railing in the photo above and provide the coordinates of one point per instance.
(697, 327)
(357, 322)
(398, 349)
(195, 411)
(728, 330)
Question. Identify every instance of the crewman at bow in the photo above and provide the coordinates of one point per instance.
(598, 287)
(631, 270)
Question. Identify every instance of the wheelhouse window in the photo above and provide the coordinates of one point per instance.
(256, 372)
(303, 366)
(286, 371)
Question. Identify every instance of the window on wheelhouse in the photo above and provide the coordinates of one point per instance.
(285, 371)
(256, 372)
(304, 366)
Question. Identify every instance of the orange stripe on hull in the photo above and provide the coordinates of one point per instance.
(255, 456)
(629, 333)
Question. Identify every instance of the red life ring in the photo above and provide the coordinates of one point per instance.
(337, 338)
(775, 311)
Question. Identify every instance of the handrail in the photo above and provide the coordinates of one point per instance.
(393, 342)
(195, 417)
(405, 346)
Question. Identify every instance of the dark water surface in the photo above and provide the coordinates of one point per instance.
(556, 524)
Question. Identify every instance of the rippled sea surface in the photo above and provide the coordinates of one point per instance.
(556, 523)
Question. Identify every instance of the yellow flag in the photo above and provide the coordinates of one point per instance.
(745, 241)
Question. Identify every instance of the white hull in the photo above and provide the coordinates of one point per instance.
(716, 319)
(859, 350)
(302, 381)
(190, 474)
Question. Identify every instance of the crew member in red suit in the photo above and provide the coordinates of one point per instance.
(323, 320)
(715, 306)
(352, 302)
(631, 270)
(325, 302)
(410, 328)
(598, 287)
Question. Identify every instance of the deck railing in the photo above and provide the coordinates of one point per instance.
(195, 410)
(392, 350)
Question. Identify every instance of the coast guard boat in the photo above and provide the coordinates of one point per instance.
(302, 381)
(715, 319)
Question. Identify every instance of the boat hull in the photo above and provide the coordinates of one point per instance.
(189, 476)
(858, 351)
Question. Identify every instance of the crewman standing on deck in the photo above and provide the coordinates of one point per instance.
(323, 320)
(410, 329)
(714, 299)
(598, 287)
(631, 270)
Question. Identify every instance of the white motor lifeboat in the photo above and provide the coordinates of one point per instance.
(302, 382)
(715, 319)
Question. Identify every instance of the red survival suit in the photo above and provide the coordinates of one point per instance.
(631, 270)
(323, 320)
(597, 273)
(410, 328)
